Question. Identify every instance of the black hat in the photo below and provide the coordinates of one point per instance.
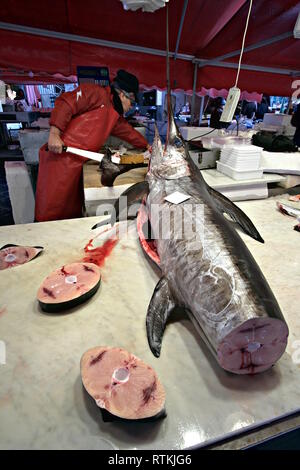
(127, 82)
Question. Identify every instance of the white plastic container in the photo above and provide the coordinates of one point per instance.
(242, 158)
(279, 119)
(238, 174)
(216, 141)
(239, 164)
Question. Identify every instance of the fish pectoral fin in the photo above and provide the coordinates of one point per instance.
(134, 195)
(235, 213)
(161, 305)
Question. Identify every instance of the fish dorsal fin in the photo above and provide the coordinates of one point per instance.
(161, 305)
(235, 213)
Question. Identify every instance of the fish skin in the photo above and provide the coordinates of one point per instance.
(219, 283)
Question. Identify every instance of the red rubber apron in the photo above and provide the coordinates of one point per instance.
(59, 193)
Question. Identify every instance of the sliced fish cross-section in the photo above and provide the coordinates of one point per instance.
(254, 346)
(15, 255)
(68, 286)
(121, 383)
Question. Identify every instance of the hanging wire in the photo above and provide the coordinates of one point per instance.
(243, 44)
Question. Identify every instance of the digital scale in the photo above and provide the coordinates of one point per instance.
(90, 74)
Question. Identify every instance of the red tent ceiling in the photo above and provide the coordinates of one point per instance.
(211, 28)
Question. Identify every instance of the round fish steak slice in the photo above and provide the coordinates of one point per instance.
(68, 286)
(254, 346)
(121, 383)
(15, 255)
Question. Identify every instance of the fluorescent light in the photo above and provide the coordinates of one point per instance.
(146, 5)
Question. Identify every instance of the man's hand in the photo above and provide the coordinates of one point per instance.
(55, 144)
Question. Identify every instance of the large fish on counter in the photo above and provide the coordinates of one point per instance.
(208, 271)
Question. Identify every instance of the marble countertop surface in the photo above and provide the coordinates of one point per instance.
(93, 189)
(42, 401)
(218, 180)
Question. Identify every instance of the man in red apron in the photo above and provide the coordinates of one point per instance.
(83, 118)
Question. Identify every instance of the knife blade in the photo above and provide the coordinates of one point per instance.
(82, 153)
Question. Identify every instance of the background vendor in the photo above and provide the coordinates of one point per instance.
(83, 118)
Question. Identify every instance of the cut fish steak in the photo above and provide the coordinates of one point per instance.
(69, 286)
(121, 383)
(254, 346)
(15, 255)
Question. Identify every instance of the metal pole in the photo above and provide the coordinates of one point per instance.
(194, 93)
(201, 109)
(134, 48)
(257, 68)
(168, 78)
(88, 40)
(180, 27)
(289, 105)
(168, 56)
(258, 45)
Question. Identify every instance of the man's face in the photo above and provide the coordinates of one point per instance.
(127, 100)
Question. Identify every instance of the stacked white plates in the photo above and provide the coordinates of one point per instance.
(241, 162)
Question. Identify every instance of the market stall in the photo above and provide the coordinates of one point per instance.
(155, 333)
(204, 403)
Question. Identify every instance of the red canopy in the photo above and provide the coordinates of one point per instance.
(211, 28)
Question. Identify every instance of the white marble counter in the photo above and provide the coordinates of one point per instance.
(42, 401)
(219, 181)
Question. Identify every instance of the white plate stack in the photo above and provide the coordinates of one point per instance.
(241, 162)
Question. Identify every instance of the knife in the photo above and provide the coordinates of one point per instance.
(82, 153)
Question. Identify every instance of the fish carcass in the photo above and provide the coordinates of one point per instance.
(206, 267)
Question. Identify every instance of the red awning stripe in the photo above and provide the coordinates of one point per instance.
(210, 29)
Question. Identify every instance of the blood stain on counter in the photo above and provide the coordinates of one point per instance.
(2, 311)
(6, 399)
(98, 255)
